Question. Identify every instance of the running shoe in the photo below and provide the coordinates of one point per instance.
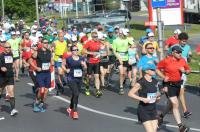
(99, 94)
(70, 112)
(14, 112)
(87, 92)
(42, 107)
(36, 108)
(183, 128)
(75, 115)
(121, 91)
(187, 114)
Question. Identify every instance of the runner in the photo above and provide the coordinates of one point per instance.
(133, 57)
(91, 48)
(26, 53)
(104, 50)
(74, 67)
(112, 59)
(15, 46)
(43, 76)
(147, 59)
(60, 46)
(155, 44)
(120, 47)
(7, 76)
(147, 97)
(172, 67)
(172, 40)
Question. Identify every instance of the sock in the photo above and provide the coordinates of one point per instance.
(12, 102)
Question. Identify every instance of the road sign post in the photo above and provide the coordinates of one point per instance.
(158, 4)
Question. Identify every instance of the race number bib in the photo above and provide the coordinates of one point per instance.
(15, 52)
(122, 55)
(152, 97)
(27, 49)
(8, 59)
(59, 59)
(78, 73)
(131, 60)
(45, 66)
(97, 55)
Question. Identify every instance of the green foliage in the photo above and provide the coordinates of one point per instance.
(21, 8)
(112, 4)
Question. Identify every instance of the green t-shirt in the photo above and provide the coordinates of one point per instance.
(121, 47)
(49, 38)
(14, 46)
(110, 40)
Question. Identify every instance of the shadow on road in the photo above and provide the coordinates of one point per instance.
(131, 110)
(5, 108)
(61, 110)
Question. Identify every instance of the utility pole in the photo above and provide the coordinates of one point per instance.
(3, 13)
(37, 11)
(76, 8)
(160, 33)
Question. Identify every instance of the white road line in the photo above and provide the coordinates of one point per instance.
(31, 84)
(2, 118)
(111, 115)
(115, 116)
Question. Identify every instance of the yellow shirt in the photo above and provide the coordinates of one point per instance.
(60, 48)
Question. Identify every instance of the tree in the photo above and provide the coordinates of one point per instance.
(21, 8)
(112, 4)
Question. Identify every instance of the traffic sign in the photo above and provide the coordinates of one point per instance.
(159, 3)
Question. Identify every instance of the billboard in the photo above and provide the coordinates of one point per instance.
(171, 14)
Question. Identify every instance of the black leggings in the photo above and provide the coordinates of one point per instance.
(75, 87)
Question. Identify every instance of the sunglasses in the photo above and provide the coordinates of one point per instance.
(184, 41)
(95, 36)
(178, 52)
(3, 41)
(75, 50)
(7, 47)
(150, 48)
(45, 42)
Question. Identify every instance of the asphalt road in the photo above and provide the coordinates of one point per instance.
(110, 113)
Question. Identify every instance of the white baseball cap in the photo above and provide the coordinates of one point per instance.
(124, 31)
(3, 39)
(17, 32)
(74, 38)
(177, 31)
(13, 33)
(151, 34)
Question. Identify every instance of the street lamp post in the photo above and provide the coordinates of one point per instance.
(37, 11)
(3, 14)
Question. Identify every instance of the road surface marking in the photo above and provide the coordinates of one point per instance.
(115, 116)
(2, 118)
(111, 115)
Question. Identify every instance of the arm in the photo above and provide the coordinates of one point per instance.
(64, 66)
(134, 90)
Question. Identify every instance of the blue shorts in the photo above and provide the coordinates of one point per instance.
(44, 79)
(57, 64)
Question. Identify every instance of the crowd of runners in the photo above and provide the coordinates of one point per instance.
(89, 57)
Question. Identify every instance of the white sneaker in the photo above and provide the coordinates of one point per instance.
(14, 112)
